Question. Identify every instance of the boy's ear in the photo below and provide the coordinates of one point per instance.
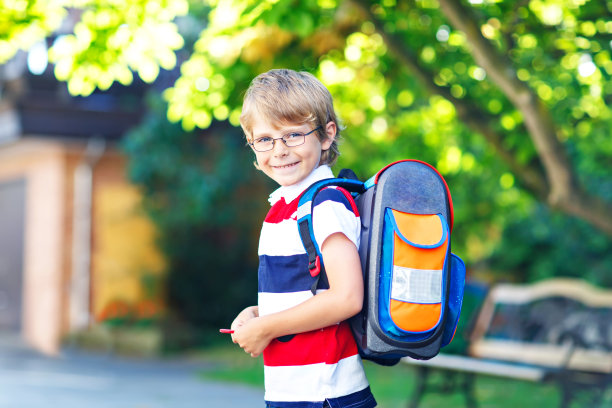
(330, 131)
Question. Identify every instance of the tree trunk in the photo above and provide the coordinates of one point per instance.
(565, 192)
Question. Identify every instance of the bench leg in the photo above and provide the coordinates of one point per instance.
(468, 390)
(566, 396)
(420, 388)
(467, 387)
(571, 392)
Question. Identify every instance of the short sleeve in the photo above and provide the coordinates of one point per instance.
(335, 211)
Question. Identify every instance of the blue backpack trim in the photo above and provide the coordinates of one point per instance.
(455, 298)
(304, 215)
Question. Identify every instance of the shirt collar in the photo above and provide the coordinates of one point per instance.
(290, 193)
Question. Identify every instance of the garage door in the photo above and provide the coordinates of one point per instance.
(12, 206)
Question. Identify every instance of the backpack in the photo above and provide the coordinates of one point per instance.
(413, 283)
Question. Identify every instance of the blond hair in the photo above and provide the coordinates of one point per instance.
(284, 96)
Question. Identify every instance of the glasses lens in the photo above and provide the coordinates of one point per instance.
(294, 139)
(263, 145)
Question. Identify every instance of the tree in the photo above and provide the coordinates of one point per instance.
(508, 98)
(509, 69)
(192, 183)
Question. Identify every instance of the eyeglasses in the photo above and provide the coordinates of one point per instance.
(293, 139)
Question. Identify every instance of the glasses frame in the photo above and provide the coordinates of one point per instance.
(274, 139)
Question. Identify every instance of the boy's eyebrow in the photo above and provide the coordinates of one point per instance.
(258, 135)
(292, 128)
(281, 129)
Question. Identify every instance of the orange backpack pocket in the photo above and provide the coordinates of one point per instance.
(413, 272)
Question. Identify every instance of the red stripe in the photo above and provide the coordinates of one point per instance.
(281, 211)
(328, 345)
(350, 199)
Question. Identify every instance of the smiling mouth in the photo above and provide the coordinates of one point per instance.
(286, 166)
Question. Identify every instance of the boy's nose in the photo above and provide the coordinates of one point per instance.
(279, 148)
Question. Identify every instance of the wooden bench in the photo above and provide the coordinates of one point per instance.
(556, 330)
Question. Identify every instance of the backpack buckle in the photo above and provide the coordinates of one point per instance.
(314, 267)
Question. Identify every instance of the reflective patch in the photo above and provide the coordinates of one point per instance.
(416, 285)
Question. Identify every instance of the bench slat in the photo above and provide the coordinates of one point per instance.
(562, 323)
(566, 287)
(478, 366)
(548, 355)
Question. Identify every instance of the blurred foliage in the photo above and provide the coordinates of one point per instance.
(23, 23)
(390, 115)
(114, 38)
(542, 244)
(205, 197)
(560, 49)
(109, 39)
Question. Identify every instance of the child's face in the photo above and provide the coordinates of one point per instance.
(290, 165)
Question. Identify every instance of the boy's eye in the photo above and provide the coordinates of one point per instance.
(263, 140)
(293, 135)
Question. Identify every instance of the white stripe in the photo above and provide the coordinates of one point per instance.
(330, 217)
(277, 302)
(416, 285)
(282, 239)
(315, 382)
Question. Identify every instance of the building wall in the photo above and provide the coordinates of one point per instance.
(41, 164)
(123, 253)
(72, 157)
(12, 222)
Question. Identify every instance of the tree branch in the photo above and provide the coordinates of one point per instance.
(473, 116)
(565, 191)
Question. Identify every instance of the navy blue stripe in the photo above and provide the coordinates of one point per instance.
(359, 399)
(284, 274)
(331, 194)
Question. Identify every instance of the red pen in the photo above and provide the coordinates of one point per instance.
(228, 331)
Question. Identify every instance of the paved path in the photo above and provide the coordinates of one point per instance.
(82, 380)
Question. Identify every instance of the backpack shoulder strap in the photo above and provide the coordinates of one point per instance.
(304, 216)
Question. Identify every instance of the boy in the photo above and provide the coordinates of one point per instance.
(310, 356)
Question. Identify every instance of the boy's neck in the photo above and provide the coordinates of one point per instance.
(290, 193)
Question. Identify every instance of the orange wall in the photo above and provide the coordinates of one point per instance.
(124, 240)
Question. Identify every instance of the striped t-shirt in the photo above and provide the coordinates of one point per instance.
(309, 368)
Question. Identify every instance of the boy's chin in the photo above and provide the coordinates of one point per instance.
(285, 182)
(287, 177)
(288, 181)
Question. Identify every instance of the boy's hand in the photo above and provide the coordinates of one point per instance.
(252, 336)
(244, 316)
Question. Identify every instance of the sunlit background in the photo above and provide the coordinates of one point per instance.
(129, 202)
